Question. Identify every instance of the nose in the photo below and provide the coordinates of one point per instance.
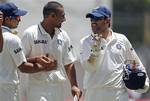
(18, 18)
(64, 19)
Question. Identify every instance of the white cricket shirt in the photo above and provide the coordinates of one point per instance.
(108, 71)
(11, 57)
(37, 41)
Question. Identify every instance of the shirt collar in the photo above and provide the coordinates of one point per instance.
(43, 32)
(6, 29)
(113, 35)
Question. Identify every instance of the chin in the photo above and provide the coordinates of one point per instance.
(59, 26)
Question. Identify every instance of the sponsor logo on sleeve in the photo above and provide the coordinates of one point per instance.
(17, 50)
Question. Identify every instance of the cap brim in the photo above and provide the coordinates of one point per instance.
(21, 12)
(91, 15)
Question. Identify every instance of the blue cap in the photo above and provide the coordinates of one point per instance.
(99, 12)
(10, 9)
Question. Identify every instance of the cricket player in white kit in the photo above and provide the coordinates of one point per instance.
(103, 53)
(12, 57)
(47, 38)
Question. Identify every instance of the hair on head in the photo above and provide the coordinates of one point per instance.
(51, 7)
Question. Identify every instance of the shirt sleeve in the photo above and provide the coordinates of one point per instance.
(131, 53)
(26, 43)
(69, 55)
(16, 51)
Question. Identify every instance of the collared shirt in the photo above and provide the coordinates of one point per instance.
(37, 41)
(108, 70)
(6, 29)
(11, 57)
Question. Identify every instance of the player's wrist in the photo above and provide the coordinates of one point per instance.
(39, 67)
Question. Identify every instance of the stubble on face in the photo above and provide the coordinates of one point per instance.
(61, 17)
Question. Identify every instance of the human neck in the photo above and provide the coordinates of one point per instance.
(106, 34)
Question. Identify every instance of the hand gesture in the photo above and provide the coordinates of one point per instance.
(96, 45)
(96, 38)
(47, 63)
(76, 92)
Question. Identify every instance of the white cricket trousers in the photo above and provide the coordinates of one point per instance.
(45, 92)
(9, 92)
(107, 94)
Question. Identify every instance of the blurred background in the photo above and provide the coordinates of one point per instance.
(130, 17)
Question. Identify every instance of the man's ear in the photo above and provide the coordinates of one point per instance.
(53, 14)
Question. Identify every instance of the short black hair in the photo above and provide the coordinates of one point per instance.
(51, 7)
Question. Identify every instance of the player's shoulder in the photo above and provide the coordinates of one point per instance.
(32, 28)
(30, 31)
(86, 38)
(62, 33)
(120, 36)
(11, 38)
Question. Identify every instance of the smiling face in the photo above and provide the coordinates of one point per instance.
(60, 17)
(99, 25)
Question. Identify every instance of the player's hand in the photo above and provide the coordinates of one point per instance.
(76, 92)
(47, 63)
(1, 18)
(97, 38)
(95, 47)
(92, 58)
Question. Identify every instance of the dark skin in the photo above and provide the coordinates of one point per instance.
(37, 64)
(55, 20)
(1, 37)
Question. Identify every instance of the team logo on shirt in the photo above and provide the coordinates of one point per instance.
(17, 50)
(59, 42)
(118, 46)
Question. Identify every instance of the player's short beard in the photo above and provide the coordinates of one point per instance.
(58, 26)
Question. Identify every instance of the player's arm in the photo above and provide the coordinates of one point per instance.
(71, 73)
(1, 21)
(27, 67)
(132, 55)
(68, 59)
(37, 64)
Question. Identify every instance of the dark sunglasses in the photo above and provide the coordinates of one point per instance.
(97, 18)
